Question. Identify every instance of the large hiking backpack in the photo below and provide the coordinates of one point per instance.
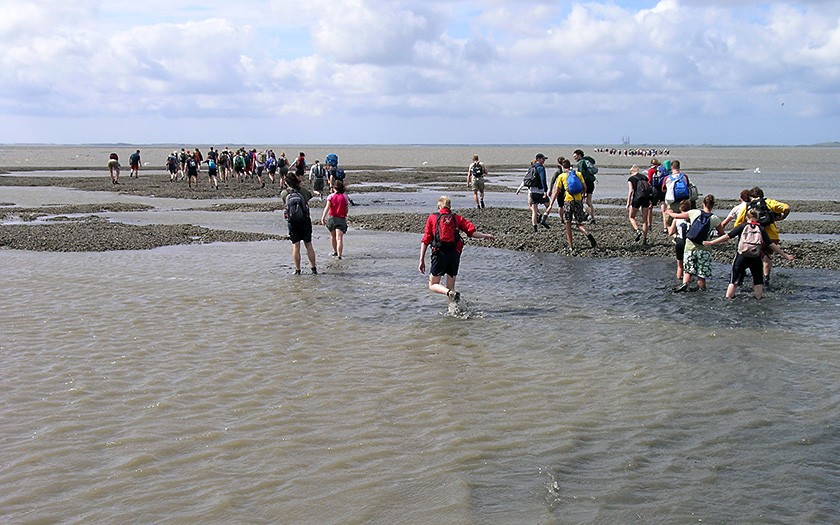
(698, 230)
(446, 232)
(659, 177)
(297, 210)
(751, 243)
(681, 191)
(765, 216)
(573, 184)
(643, 189)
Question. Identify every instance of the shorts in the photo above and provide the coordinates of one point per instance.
(114, 164)
(537, 198)
(337, 223)
(679, 248)
(698, 263)
(590, 186)
(135, 166)
(318, 185)
(478, 184)
(740, 266)
(766, 251)
(300, 231)
(445, 262)
(644, 202)
(173, 169)
(573, 212)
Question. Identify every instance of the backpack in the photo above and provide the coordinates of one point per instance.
(300, 164)
(681, 191)
(191, 164)
(643, 189)
(319, 172)
(659, 176)
(446, 232)
(532, 179)
(211, 165)
(271, 164)
(751, 243)
(339, 174)
(765, 216)
(331, 160)
(698, 230)
(477, 170)
(573, 184)
(589, 168)
(296, 208)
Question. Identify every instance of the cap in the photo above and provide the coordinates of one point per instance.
(540, 156)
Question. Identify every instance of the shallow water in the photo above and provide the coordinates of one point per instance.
(206, 384)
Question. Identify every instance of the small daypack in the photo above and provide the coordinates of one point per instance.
(681, 191)
(698, 230)
(643, 188)
(765, 216)
(477, 170)
(532, 179)
(589, 164)
(297, 210)
(446, 232)
(659, 176)
(339, 174)
(573, 184)
(211, 165)
(751, 243)
(320, 172)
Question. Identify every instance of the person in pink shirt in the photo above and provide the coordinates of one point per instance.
(335, 217)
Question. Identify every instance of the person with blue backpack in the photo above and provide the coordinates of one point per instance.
(572, 186)
(697, 260)
(676, 187)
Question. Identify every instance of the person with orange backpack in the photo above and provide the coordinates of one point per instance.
(442, 233)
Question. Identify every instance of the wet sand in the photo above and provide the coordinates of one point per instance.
(511, 226)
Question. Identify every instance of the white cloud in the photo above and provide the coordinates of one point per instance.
(509, 63)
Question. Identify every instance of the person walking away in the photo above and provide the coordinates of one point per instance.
(753, 242)
(300, 166)
(172, 166)
(192, 172)
(657, 173)
(587, 169)
(134, 162)
(677, 230)
(475, 180)
(262, 157)
(639, 195)
(676, 189)
(334, 217)
(296, 201)
(770, 212)
(317, 176)
(537, 191)
(442, 234)
(573, 187)
(697, 261)
(212, 173)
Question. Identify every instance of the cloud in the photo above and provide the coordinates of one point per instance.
(600, 64)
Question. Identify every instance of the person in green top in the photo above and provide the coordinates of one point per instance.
(697, 261)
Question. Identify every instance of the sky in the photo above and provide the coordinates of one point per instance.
(420, 72)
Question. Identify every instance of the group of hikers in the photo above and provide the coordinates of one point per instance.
(693, 230)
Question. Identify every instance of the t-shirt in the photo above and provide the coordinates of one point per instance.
(337, 204)
(561, 183)
(714, 222)
(736, 210)
(779, 208)
(543, 187)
